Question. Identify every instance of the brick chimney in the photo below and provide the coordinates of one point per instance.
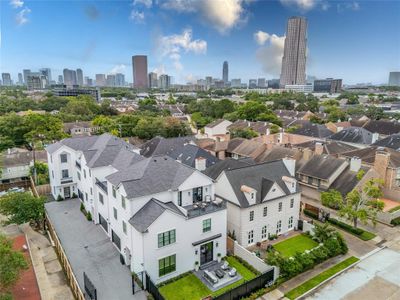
(319, 148)
(381, 163)
(307, 153)
(200, 163)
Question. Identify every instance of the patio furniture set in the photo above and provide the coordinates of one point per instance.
(214, 276)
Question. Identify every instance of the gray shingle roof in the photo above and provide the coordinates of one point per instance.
(215, 123)
(150, 212)
(151, 176)
(259, 177)
(385, 127)
(347, 181)
(354, 135)
(392, 141)
(313, 130)
(226, 164)
(163, 146)
(188, 153)
(329, 147)
(102, 150)
(321, 166)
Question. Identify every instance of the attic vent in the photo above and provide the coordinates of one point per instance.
(165, 158)
(155, 160)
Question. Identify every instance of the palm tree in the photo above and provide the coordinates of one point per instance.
(323, 232)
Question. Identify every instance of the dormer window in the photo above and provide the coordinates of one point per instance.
(252, 196)
(63, 158)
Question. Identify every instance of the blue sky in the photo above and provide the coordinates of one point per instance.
(358, 41)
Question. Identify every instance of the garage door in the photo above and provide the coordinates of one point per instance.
(103, 223)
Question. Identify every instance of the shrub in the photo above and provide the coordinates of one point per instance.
(82, 208)
(310, 214)
(320, 254)
(342, 243)
(247, 265)
(333, 247)
(305, 259)
(89, 216)
(395, 221)
(60, 198)
(345, 226)
(74, 195)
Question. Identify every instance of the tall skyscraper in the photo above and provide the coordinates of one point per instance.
(79, 77)
(6, 77)
(69, 77)
(139, 68)
(294, 53)
(20, 79)
(100, 79)
(26, 72)
(394, 78)
(153, 80)
(261, 83)
(225, 72)
(46, 72)
(60, 79)
(119, 79)
(164, 82)
(110, 80)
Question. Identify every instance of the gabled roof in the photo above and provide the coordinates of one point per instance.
(385, 127)
(329, 147)
(259, 177)
(101, 150)
(151, 176)
(368, 155)
(216, 122)
(313, 130)
(226, 164)
(321, 166)
(347, 181)
(233, 143)
(187, 154)
(392, 141)
(150, 212)
(278, 152)
(259, 126)
(354, 135)
(163, 146)
(249, 148)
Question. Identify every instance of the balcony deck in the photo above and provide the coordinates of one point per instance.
(102, 185)
(203, 208)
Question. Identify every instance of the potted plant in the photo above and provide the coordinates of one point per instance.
(219, 257)
(196, 265)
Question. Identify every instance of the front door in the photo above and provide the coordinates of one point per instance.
(67, 192)
(206, 253)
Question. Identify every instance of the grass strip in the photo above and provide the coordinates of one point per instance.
(313, 282)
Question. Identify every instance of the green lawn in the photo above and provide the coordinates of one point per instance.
(313, 282)
(298, 243)
(191, 288)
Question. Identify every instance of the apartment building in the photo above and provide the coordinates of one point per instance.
(161, 215)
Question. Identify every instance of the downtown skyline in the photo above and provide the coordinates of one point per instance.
(183, 42)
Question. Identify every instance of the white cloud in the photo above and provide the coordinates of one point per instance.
(223, 15)
(261, 37)
(137, 16)
(118, 69)
(146, 3)
(21, 17)
(16, 3)
(354, 6)
(270, 56)
(302, 5)
(171, 46)
(159, 70)
(325, 6)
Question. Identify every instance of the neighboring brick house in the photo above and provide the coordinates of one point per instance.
(386, 163)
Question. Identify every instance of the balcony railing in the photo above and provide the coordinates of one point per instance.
(204, 207)
(102, 185)
(78, 165)
(66, 180)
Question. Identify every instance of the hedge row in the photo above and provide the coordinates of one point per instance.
(346, 227)
(395, 221)
(310, 214)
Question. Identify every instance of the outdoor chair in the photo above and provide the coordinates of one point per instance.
(232, 272)
(225, 266)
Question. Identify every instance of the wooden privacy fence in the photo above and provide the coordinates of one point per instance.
(73, 283)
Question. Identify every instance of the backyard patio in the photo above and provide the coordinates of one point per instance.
(287, 245)
(195, 286)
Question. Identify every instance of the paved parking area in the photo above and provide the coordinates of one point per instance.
(376, 277)
(90, 250)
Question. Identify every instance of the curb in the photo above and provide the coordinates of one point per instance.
(340, 272)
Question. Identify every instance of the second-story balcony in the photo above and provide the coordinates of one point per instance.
(65, 180)
(78, 164)
(102, 185)
(199, 208)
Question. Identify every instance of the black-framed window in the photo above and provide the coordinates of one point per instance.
(280, 206)
(180, 198)
(166, 265)
(124, 227)
(123, 202)
(265, 211)
(114, 192)
(101, 198)
(115, 213)
(198, 194)
(251, 216)
(166, 238)
(206, 225)
(63, 158)
(291, 203)
(64, 173)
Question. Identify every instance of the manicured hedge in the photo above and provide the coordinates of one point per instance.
(395, 221)
(345, 226)
(310, 214)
